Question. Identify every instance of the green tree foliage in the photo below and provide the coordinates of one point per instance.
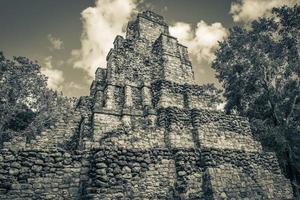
(27, 106)
(260, 71)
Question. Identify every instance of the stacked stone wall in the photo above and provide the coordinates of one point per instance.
(104, 123)
(241, 175)
(151, 26)
(174, 60)
(157, 55)
(132, 174)
(180, 128)
(171, 94)
(41, 174)
(135, 138)
(160, 94)
(57, 136)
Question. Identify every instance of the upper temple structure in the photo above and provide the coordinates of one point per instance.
(146, 131)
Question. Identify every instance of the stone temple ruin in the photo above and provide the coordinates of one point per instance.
(146, 131)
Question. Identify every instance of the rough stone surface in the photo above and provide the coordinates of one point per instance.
(146, 131)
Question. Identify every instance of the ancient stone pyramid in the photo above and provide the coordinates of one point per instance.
(146, 131)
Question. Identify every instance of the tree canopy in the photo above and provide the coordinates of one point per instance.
(27, 105)
(260, 71)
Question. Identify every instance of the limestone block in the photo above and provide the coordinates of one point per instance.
(170, 99)
(211, 136)
(146, 96)
(128, 97)
(100, 74)
(150, 28)
(104, 123)
(109, 98)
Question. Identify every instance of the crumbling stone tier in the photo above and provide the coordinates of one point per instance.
(146, 131)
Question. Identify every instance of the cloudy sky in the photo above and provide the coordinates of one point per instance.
(70, 38)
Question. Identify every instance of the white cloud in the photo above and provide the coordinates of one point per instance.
(55, 76)
(73, 85)
(101, 24)
(74, 89)
(248, 10)
(202, 40)
(56, 43)
(48, 62)
(182, 31)
(206, 40)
